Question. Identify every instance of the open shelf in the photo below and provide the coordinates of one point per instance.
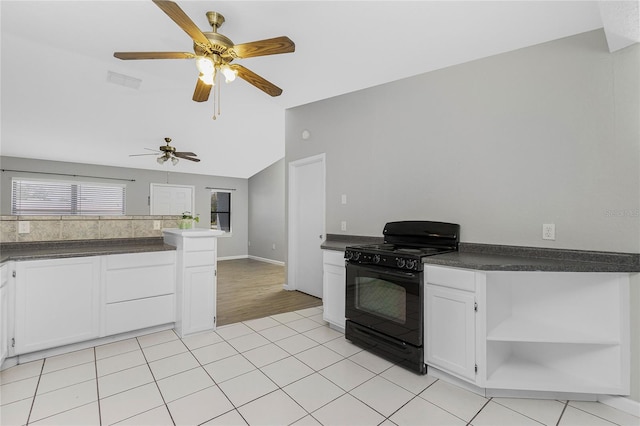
(515, 372)
(516, 329)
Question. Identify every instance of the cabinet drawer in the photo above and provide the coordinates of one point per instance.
(197, 244)
(451, 277)
(138, 314)
(200, 258)
(137, 283)
(332, 257)
(136, 260)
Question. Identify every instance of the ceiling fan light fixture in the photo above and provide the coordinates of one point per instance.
(205, 65)
(207, 79)
(228, 73)
(161, 160)
(174, 160)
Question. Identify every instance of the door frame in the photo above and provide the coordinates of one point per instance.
(292, 220)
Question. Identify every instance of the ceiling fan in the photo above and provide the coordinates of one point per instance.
(168, 152)
(214, 52)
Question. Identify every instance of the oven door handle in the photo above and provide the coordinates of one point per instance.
(385, 271)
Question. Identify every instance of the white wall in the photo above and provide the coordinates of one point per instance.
(501, 145)
(138, 191)
(266, 213)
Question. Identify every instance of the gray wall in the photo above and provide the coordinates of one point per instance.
(138, 192)
(501, 145)
(546, 134)
(266, 213)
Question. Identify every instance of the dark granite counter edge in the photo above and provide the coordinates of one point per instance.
(80, 248)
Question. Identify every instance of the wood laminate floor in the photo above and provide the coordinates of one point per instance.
(250, 289)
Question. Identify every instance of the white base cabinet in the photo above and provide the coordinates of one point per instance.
(4, 312)
(139, 291)
(57, 302)
(333, 288)
(196, 278)
(532, 331)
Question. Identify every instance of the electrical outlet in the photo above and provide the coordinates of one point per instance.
(548, 231)
(273, 247)
(344, 199)
(343, 225)
(24, 227)
(157, 225)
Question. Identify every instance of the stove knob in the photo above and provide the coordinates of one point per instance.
(400, 262)
(356, 255)
(410, 264)
(376, 258)
(348, 255)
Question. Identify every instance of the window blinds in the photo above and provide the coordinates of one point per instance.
(33, 197)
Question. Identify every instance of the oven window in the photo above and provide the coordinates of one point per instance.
(381, 298)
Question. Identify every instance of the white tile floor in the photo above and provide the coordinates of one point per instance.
(286, 369)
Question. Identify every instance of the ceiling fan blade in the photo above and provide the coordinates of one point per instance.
(153, 55)
(188, 158)
(187, 154)
(272, 46)
(201, 94)
(254, 79)
(138, 155)
(179, 17)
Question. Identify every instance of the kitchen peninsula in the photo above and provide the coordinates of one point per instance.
(59, 296)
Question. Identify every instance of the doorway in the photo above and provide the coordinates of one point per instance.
(306, 224)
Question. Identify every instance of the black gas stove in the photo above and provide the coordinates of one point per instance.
(384, 302)
(405, 245)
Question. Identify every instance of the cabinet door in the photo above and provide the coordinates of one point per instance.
(57, 302)
(333, 297)
(199, 302)
(4, 313)
(450, 330)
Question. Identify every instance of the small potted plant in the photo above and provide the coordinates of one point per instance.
(187, 220)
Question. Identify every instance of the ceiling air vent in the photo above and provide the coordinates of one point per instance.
(123, 80)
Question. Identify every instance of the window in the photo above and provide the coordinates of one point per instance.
(221, 210)
(34, 197)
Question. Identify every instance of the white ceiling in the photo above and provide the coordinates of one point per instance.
(58, 105)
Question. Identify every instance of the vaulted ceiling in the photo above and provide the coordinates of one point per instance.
(58, 104)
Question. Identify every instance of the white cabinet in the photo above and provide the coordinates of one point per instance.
(138, 291)
(196, 278)
(533, 331)
(4, 312)
(333, 288)
(57, 302)
(450, 339)
(450, 321)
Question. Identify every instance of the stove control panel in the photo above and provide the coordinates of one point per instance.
(382, 259)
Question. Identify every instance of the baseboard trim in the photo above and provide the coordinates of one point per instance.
(242, 256)
(263, 259)
(621, 403)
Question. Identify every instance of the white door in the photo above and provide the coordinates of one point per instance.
(306, 224)
(171, 199)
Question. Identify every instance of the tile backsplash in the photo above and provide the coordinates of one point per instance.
(64, 228)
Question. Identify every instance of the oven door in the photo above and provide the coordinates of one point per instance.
(386, 300)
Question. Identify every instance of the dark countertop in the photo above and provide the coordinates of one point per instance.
(488, 257)
(340, 242)
(79, 248)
